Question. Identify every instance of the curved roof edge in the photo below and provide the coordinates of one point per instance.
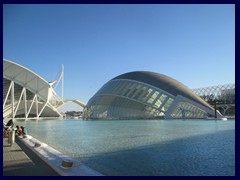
(27, 70)
(14, 71)
(163, 82)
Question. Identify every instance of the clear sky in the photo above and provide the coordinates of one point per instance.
(194, 44)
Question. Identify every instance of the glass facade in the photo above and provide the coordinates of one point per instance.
(187, 110)
(145, 95)
(128, 99)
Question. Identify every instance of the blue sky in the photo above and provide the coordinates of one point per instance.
(194, 44)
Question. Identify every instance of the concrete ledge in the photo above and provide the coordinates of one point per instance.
(62, 164)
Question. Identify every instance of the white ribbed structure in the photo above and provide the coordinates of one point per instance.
(28, 95)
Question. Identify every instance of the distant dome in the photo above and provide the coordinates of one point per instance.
(145, 95)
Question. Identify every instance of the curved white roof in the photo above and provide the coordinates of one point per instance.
(26, 78)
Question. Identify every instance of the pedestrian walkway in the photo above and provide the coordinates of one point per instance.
(18, 160)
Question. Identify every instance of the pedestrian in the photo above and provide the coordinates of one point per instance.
(9, 124)
(24, 130)
(19, 131)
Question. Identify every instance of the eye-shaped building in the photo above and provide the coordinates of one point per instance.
(146, 95)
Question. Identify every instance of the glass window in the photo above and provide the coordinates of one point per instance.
(161, 114)
(125, 90)
(167, 104)
(114, 87)
(160, 100)
(147, 109)
(146, 94)
(134, 92)
(130, 89)
(117, 87)
(187, 110)
(139, 92)
(153, 111)
(153, 97)
(121, 87)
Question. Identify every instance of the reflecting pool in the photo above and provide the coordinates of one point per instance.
(143, 147)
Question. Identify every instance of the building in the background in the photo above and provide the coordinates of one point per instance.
(133, 95)
(221, 96)
(146, 95)
(26, 94)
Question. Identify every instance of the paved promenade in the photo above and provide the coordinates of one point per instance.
(19, 160)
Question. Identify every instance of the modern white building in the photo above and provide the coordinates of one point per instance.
(146, 95)
(26, 94)
(133, 95)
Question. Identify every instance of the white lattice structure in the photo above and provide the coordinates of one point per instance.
(222, 95)
(215, 91)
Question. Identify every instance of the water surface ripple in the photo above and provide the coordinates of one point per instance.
(143, 147)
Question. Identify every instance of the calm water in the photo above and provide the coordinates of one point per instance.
(144, 147)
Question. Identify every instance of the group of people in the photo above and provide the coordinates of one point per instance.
(21, 130)
(9, 126)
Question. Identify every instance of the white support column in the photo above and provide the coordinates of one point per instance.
(42, 109)
(9, 89)
(37, 106)
(62, 80)
(25, 103)
(31, 105)
(19, 100)
(12, 99)
(55, 109)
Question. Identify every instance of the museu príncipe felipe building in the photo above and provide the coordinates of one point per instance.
(26, 94)
(146, 95)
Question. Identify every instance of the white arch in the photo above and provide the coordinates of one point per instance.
(27, 80)
(80, 103)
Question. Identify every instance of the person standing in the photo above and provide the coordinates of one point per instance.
(10, 124)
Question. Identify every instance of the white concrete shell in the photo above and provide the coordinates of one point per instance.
(26, 94)
(146, 95)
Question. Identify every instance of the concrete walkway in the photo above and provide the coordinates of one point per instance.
(19, 160)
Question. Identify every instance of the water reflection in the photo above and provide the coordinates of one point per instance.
(155, 147)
